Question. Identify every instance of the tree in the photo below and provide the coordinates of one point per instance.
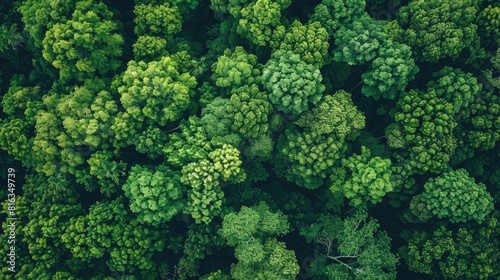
(332, 14)
(455, 86)
(149, 48)
(367, 179)
(453, 253)
(336, 115)
(155, 194)
(310, 41)
(390, 72)
(86, 45)
(158, 91)
(259, 18)
(435, 29)
(307, 155)
(292, 83)
(157, 20)
(360, 41)
(352, 248)
(235, 69)
(457, 197)
(426, 124)
(252, 231)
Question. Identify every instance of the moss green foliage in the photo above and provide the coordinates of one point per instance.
(488, 22)
(310, 41)
(253, 231)
(425, 123)
(149, 48)
(154, 194)
(158, 91)
(250, 139)
(455, 86)
(465, 252)
(359, 41)
(390, 72)
(291, 82)
(352, 248)
(333, 14)
(436, 29)
(368, 178)
(336, 115)
(307, 155)
(456, 196)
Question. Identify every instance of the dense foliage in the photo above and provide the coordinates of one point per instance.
(250, 139)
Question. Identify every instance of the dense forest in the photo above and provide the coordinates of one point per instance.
(250, 139)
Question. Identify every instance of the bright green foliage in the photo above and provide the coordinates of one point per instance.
(368, 178)
(310, 41)
(157, 20)
(155, 194)
(250, 113)
(86, 45)
(14, 138)
(488, 22)
(148, 48)
(191, 144)
(252, 231)
(244, 114)
(355, 245)
(226, 161)
(253, 223)
(156, 90)
(236, 68)
(130, 244)
(259, 19)
(37, 18)
(22, 102)
(426, 124)
(455, 86)
(87, 114)
(456, 196)
(435, 29)
(332, 14)
(43, 234)
(466, 253)
(390, 72)
(107, 171)
(291, 82)
(206, 197)
(151, 142)
(306, 158)
(125, 129)
(335, 115)
(216, 122)
(360, 41)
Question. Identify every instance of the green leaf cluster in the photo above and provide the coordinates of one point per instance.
(292, 84)
(436, 29)
(155, 194)
(456, 196)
